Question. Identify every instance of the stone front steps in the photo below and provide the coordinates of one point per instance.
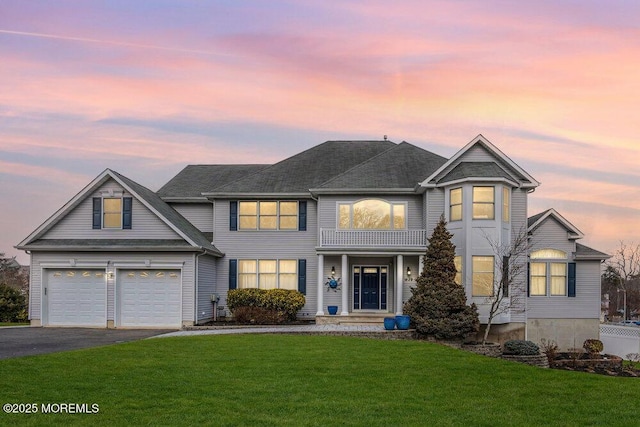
(354, 319)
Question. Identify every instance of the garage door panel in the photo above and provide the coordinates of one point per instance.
(76, 297)
(149, 298)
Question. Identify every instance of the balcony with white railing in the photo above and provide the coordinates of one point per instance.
(333, 238)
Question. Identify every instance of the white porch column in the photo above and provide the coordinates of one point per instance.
(399, 281)
(345, 286)
(320, 290)
(420, 265)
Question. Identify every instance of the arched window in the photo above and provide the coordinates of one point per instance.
(548, 254)
(548, 274)
(372, 214)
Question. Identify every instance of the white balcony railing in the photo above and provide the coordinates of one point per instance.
(373, 238)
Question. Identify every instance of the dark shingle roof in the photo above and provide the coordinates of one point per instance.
(308, 169)
(194, 180)
(475, 170)
(585, 252)
(170, 214)
(401, 166)
(533, 219)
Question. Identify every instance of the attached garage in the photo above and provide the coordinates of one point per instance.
(75, 297)
(149, 298)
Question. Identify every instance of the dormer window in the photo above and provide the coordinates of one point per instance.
(112, 213)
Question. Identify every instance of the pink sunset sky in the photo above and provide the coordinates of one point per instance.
(147, 87)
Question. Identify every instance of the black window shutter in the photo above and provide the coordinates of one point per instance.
(505, 276)
(97, 213)
(571, 280)
(127, 207)
(528, 279)
(302, 216)
(233, 274)
(233, 216)
(302, 276)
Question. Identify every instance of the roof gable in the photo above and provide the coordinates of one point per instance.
(400, 167)
(466, 164)
(306, 170)
(148, 198)
(537, 220)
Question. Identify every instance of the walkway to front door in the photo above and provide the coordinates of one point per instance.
(370, 287)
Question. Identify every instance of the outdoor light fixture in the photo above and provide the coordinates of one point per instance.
(333, 270)
(408, 274)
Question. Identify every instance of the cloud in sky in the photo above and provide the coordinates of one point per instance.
(146, 88)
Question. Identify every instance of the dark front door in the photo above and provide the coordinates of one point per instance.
(371, 288)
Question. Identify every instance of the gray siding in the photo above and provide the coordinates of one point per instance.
(585, 305)
(267, 245)
(206, 286)
(137, 260)
(519, 225)
(434, 207)
(198, 214)
(77, 224)
(552, 235)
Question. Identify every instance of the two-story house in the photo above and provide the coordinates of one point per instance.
(120, 255)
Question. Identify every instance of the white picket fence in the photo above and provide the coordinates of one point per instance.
(620, 340)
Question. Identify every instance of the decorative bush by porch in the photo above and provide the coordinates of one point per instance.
(438, 305)
(265, 305)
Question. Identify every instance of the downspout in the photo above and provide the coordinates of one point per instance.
(197, 278)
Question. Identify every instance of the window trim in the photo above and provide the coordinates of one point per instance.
(392, 205)
(506, 204)
(99, 212)
(452, 205)
(278, 216)
(473, 276)
(278, 273)
(479, 203)
(548, 257)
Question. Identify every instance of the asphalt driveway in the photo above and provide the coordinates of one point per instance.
(27, 341)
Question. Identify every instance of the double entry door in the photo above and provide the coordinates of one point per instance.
(370, 287)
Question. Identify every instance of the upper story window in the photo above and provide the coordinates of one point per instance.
(372, 214)
(268, 215)
(506, 204)
(483, 203)
(548, 273)
(112, 212)
(455, 204)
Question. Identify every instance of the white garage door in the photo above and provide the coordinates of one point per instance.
(149, 298)
(76, 297)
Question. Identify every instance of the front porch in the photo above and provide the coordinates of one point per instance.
(372, 285)
(354, 319)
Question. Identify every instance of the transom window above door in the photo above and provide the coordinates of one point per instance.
(372, 214)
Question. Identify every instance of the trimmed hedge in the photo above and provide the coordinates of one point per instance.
(283, 304)
(13, 305)
(520, 348)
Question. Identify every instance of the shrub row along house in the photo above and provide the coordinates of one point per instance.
(121, 255)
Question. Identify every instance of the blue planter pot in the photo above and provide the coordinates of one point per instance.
(333, 309)
(389, 323)
(403, 322)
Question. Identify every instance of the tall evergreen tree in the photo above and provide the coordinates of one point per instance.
(438, 305)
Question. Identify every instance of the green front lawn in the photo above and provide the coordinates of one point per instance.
(307, 380)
